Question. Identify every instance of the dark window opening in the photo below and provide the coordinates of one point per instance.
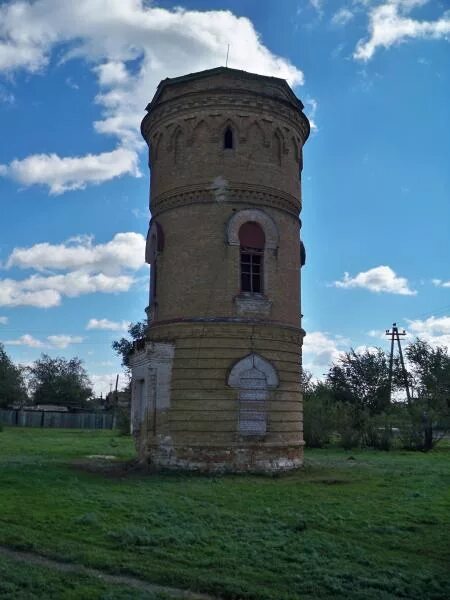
(154, 268)
(251, 270)
(252, 240)
(154, 281)
(228, 139)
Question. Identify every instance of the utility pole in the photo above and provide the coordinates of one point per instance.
(395, 334)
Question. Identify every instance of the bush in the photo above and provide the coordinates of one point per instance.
(123, 420)
(349, 439)
(318, 417)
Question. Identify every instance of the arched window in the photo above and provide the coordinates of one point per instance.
(253, 377)
(228, 139)
(153, 248)
(252, 241)
(153, 269)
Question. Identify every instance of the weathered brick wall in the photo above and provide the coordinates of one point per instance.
(202, 421)
(199, 272)
(197, 187)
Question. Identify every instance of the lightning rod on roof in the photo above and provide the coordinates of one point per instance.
(228, 51)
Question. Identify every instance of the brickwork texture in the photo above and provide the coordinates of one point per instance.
(187, 411)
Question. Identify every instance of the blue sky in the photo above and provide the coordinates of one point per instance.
(74, 81)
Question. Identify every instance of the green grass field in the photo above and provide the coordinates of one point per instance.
(350, 525)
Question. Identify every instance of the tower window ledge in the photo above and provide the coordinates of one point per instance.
(251, 304)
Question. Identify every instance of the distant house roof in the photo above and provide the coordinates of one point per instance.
(49, 408)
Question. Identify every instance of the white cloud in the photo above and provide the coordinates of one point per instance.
(317, 5)
(105, 268)
(320, 350)
(15, 293)
(106, 324)
(125, 251)
(435, 330)
(3, 320)
(364, 348)
(71, 173)
(379, 279)
(25, 340)
(130, 46)
(60, 341)
(310, 110)
(46, 292)
(342, 16)
(377, 333)
(390, 24)
(103, 384)
(440, 283)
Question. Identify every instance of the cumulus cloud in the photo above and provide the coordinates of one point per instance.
(130, 46)
(25, 340)
(91, 268)
(320, 350)
(390, 23)
(380, 279)
(46, 292)
(106, 324)
(104, 383)
(440, 283)
(435, 330)
(60, 341)
(71, 173)
(125, 251)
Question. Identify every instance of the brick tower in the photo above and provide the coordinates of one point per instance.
(216, 381)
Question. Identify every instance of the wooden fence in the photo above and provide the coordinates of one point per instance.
(43, 418)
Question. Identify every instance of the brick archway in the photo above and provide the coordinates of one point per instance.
(257, 216)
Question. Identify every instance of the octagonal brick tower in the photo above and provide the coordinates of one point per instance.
(216, 381)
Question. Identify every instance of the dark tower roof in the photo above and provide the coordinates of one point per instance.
(224, 70)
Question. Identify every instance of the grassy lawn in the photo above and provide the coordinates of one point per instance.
(29, 582)
(350, 525)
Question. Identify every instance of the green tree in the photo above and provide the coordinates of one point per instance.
(59, 381)
(319, 413)
(429, 370)
(12, 384)
(124, 346)
(361, 379)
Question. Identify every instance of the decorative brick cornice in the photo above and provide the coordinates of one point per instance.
(250, 194)
(228, 102)
(216, 327)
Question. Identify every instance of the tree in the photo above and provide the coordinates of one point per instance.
(12, 384)
(361, 379)
(59, 381)
(319, 412)
(124, 346)
(430, 407)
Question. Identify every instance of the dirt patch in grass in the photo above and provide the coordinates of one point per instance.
(119, 580)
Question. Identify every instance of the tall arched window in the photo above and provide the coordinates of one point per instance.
(252, 241)
(253, 377)
(153, 248)
(153, 269)
(228, 139)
